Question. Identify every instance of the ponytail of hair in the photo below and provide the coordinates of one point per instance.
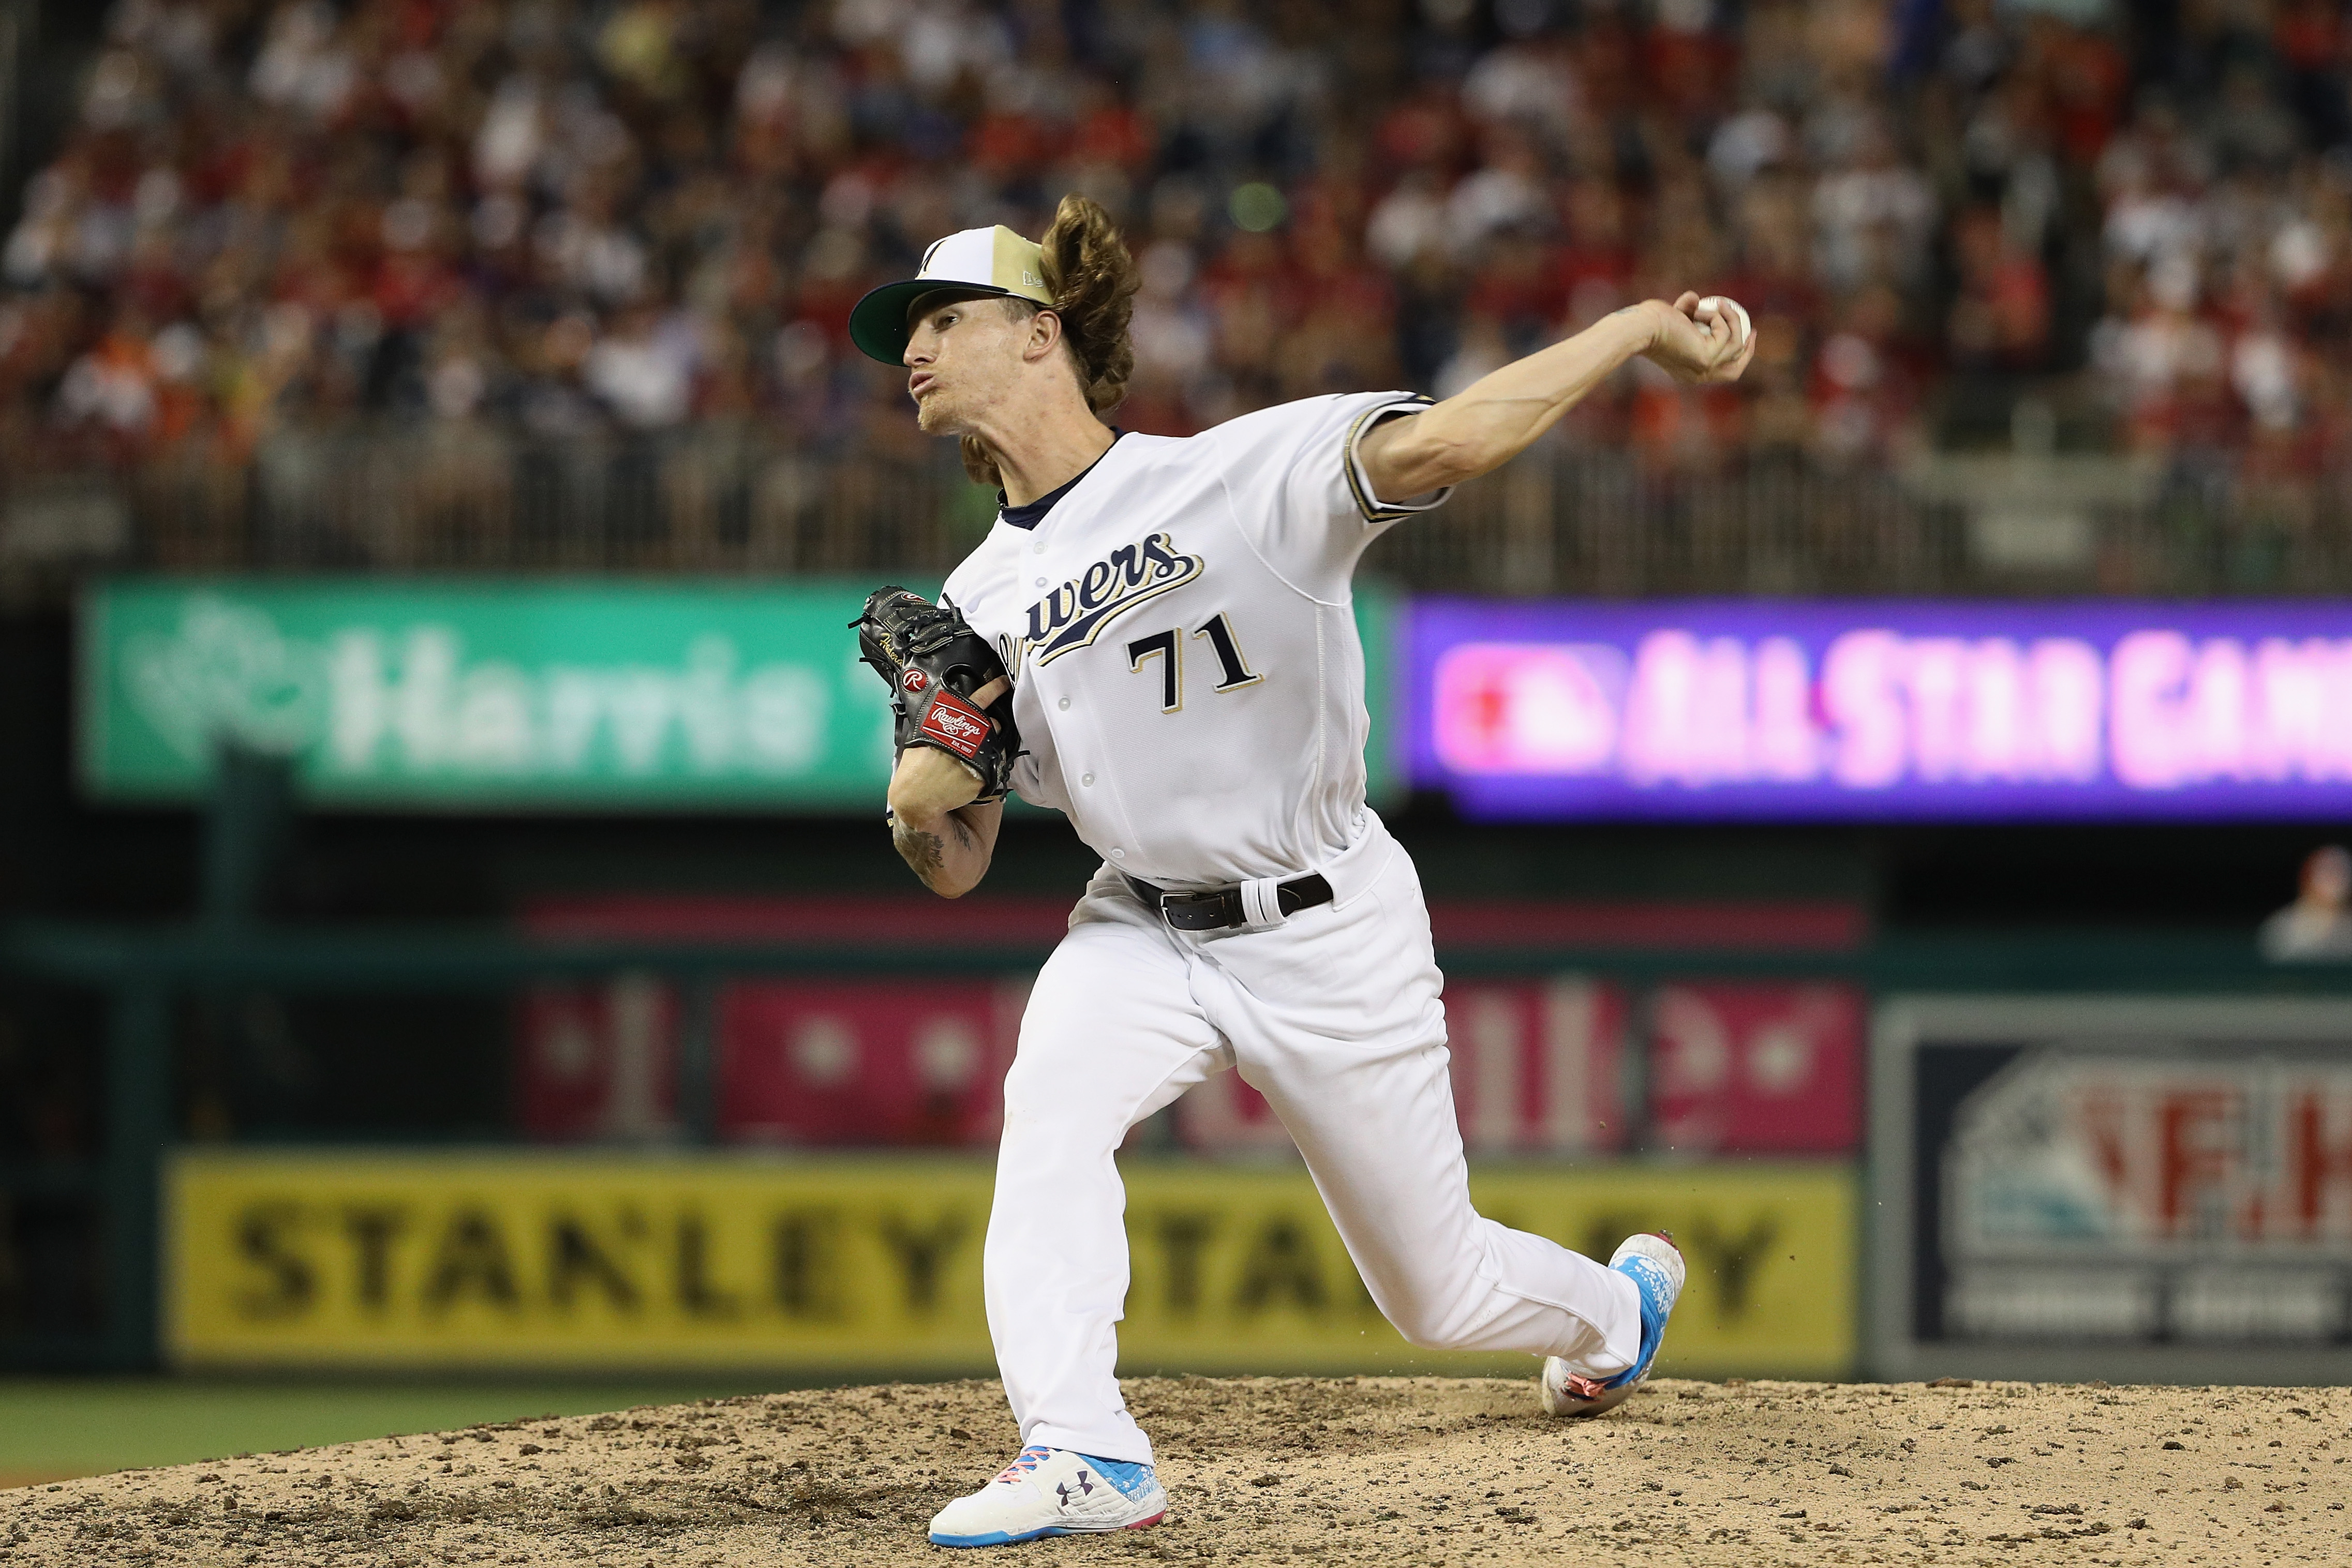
(1094, 282)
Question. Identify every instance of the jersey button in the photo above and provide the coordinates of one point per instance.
(1117, 853)
(1087, 780)
(1062, 704)
(1041, 582)
(1037, 549)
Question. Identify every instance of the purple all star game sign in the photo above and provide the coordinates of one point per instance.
(1884, 709)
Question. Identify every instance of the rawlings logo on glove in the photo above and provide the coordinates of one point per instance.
(956, 725)
(934, 661)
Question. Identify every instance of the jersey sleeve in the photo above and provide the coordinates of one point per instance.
(1299, 491)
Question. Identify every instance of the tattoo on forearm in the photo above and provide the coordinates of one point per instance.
(925, 852)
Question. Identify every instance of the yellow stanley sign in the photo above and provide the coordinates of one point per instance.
(331, 1259)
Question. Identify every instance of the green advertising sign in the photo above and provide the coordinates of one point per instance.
(460, 693)
(456, 693)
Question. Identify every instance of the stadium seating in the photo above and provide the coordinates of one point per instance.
(537, 250)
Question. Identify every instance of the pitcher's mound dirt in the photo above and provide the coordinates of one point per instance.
(1274, 1470)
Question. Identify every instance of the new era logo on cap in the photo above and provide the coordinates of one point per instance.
(994, 258)
(980, 261)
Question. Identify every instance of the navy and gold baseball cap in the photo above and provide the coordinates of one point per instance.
(990, 261)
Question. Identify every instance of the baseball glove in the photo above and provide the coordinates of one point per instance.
(934, 662)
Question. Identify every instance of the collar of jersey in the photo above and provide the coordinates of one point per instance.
(1029, 514)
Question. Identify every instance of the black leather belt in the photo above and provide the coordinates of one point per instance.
(1219, 908)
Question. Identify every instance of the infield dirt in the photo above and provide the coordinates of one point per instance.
(1276, 1469)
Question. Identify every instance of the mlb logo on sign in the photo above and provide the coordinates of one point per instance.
(1528, 708)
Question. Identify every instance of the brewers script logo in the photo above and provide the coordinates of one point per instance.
(1073, 614)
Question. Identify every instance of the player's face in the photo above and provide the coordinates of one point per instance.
(962, 357)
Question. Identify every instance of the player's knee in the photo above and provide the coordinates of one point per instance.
(1028, 1097)
(1431, 1324)
(1443, 1310)
(1043, 1101)
(1436, 1336)
(1422, 1336)
(1039, 1078)
(1452, 1334)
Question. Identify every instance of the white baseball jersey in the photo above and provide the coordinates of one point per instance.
(1189, 688)
(1187, 677)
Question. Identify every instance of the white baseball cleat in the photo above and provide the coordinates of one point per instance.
(1654, 1264)
(1053, 1491)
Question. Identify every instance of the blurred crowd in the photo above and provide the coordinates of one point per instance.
(628, 215)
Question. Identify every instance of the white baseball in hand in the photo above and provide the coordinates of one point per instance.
(1719, 307)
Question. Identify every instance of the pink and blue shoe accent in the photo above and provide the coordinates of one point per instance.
(1654, 1264)
(1053, 1491)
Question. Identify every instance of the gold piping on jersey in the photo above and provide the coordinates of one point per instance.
(1372, 510)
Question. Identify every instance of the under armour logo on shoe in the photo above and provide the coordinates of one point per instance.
(1085, 1489)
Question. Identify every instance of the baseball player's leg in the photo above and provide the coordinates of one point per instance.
(1336, 1020)
(1111, 1034)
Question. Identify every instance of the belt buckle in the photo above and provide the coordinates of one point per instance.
(1170, 903)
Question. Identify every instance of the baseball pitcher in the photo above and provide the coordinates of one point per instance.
(1156, 640)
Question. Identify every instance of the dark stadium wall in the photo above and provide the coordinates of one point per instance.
(58, 857)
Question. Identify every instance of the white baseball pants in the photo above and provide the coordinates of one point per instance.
(1334, 1017)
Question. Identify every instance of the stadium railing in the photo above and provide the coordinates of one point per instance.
(721, 498)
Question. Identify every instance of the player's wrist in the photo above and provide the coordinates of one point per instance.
(1648, 327)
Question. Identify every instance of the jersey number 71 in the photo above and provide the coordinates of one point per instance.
(1169, 648)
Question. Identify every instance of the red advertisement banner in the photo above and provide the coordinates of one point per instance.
(1540, 1065)
(1756, 1068)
